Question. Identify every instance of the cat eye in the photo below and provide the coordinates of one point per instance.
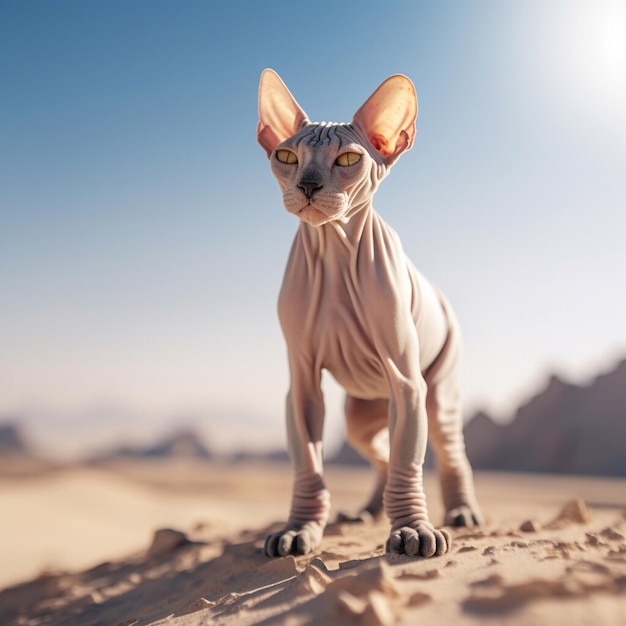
(286, 156)
(348, 158)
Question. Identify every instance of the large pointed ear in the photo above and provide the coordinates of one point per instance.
(388, 117)
(280, 116)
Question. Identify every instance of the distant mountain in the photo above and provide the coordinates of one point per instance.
(181, 444)
(12, 441)
(248, 456)
(566, 428)
(346, 455)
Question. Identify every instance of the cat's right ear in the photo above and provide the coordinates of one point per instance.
(280, 116)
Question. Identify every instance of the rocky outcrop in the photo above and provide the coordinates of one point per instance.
(566, 428)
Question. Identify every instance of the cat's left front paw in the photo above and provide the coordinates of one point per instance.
(420, 539)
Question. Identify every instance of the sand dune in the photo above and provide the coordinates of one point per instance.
(553, 551)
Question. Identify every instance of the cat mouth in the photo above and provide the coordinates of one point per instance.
(313, 216)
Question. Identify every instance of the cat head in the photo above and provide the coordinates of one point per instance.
(328, 172)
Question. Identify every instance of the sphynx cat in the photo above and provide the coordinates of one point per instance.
(352, 303)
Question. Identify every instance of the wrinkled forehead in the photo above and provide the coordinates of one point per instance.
(326, 133)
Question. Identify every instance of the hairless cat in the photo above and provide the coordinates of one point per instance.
(352, 303)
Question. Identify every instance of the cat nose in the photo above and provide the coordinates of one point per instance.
(309, 188)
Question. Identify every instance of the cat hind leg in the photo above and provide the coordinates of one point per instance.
(368, 434)
(445, 430)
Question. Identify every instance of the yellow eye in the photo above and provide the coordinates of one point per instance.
(348, 158)
(286, 156)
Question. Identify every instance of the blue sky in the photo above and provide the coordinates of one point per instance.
(143, 239)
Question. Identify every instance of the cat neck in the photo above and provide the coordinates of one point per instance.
(339, 236)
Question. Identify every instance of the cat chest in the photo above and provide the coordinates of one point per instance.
(328, 321)
(318, 309)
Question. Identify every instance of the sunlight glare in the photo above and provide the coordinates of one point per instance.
(581, 48)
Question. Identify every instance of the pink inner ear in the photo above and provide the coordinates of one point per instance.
(379, 143)
(387, 117)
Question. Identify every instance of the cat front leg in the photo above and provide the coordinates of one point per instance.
(310, 503)
(404, 498)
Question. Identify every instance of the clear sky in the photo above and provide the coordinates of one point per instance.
(143, 239)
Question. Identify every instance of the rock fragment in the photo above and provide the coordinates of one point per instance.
(167, 540)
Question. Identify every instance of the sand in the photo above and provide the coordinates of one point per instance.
(180, 543)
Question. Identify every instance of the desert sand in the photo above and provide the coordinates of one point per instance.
(180, 543)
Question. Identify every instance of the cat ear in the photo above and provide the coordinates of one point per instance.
(388, 117)
(280, 116)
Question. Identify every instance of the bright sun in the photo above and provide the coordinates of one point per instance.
(603, 50)
(581, 48)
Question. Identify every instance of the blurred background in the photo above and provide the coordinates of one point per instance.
(143, 238)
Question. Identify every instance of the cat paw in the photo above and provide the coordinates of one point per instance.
(421, 539)
(296, 540)
(464, 516)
